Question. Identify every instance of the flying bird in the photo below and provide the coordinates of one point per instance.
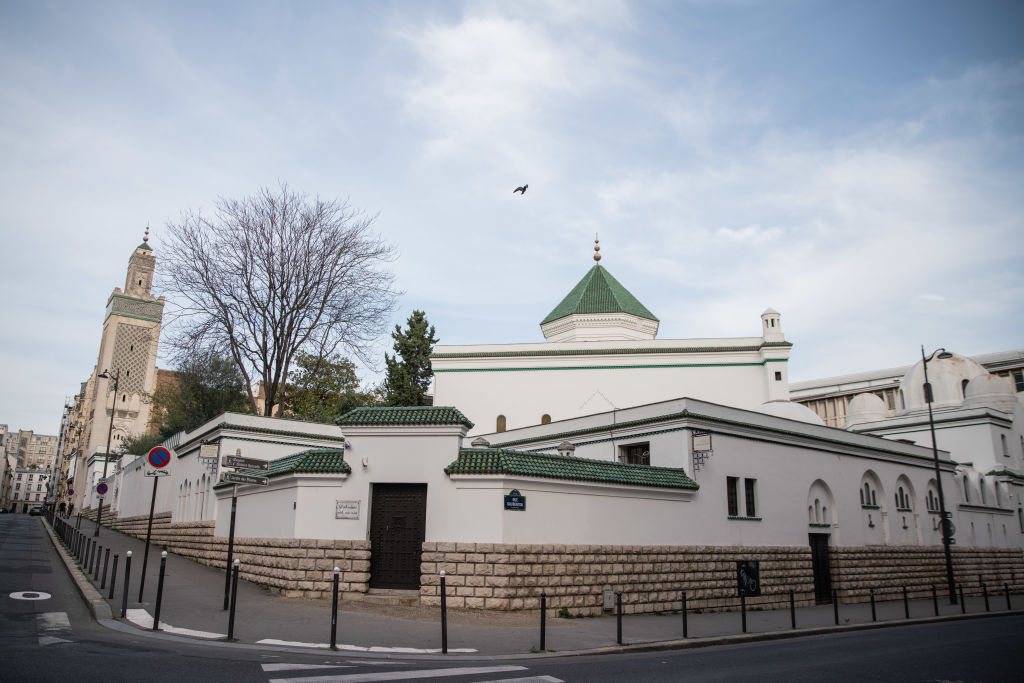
(521, 189)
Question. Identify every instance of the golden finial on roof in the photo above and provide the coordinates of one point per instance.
(597, 248)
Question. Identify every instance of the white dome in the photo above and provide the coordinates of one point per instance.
(866, 407)
(947, 376)
(989, 391)
(790, 411)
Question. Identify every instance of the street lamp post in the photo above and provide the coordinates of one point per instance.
(946, 524)
(110, 432)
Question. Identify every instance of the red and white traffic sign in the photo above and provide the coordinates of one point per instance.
(159, 457)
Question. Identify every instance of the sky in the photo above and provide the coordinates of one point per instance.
(858, 166)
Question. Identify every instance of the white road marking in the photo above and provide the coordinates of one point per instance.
(52, 640)
(141, 617)
(53, 621)
(360, 648)
(297, 667)
(29, 595)
(401, 675)
(530, 679)
(51, 624)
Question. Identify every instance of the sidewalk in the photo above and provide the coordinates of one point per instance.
(193, 601)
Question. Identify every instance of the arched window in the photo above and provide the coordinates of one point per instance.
(545, 419)
(967, 490)
(963, 388)
(500, 426)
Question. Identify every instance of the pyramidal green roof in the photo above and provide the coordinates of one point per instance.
(599, 292)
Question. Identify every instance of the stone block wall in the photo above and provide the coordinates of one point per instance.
(887, 569)
(574, 577)
(295, 567)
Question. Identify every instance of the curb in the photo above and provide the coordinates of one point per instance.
(93, 599)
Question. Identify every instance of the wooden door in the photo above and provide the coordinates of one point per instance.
(398, 523)
(821, 567)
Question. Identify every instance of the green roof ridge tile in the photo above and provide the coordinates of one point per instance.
(312, 461)
(599, 292)
(610, 352)
(403, 416)
(552, 466)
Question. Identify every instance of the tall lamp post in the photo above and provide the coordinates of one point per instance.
(946, 524)
(110, 432)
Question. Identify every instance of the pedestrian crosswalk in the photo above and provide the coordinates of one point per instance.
(53, 628)
(335, 673)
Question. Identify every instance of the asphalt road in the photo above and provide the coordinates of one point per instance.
(47, 634)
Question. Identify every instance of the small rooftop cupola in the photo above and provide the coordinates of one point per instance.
(771, 326)
(140, 270)
(599, 309)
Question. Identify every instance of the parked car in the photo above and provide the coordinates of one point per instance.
(36, 510)
(2, 509)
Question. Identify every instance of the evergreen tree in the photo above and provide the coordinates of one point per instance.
(323, 388)
(409, 374)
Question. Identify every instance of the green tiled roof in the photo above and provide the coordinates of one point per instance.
(550, 466)
(599, 292)
(313, 461)
(369, 416)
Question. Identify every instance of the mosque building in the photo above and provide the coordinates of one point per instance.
(604, 459)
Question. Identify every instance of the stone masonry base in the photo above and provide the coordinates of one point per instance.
(294, 567)
(575, 577)
(652, 578)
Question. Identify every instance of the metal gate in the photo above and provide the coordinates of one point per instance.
(822, 569)
(398, 523)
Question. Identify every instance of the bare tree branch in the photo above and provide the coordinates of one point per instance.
(274, 274)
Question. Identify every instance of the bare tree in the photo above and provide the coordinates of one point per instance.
(274, 274)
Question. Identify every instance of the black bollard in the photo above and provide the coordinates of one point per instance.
(935, 600)
(1006, 587)
(106, 563)
(90, 549)
(873, 617)
(618, 617)
(743, 609)
(159, 591)
(96, 563)
(963, 606)
(835, 605)
(906, 603)
(792, 610)
(334, 611)
(984, 591)
(543, 619)
(234, 598)
(685, 625)
(444, 617)
(127, 576)
(113, 579)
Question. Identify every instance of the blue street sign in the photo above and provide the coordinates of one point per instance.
(159, 456)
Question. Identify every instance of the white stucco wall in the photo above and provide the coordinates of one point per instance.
(526, 386)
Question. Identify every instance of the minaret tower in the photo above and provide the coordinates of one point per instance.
(128, 348)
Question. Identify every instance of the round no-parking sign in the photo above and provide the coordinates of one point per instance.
(101, 488)
(159, 457)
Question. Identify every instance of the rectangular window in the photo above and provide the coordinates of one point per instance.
(748, 495)
(732, 492)
(635, 454)
(1018, 380)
